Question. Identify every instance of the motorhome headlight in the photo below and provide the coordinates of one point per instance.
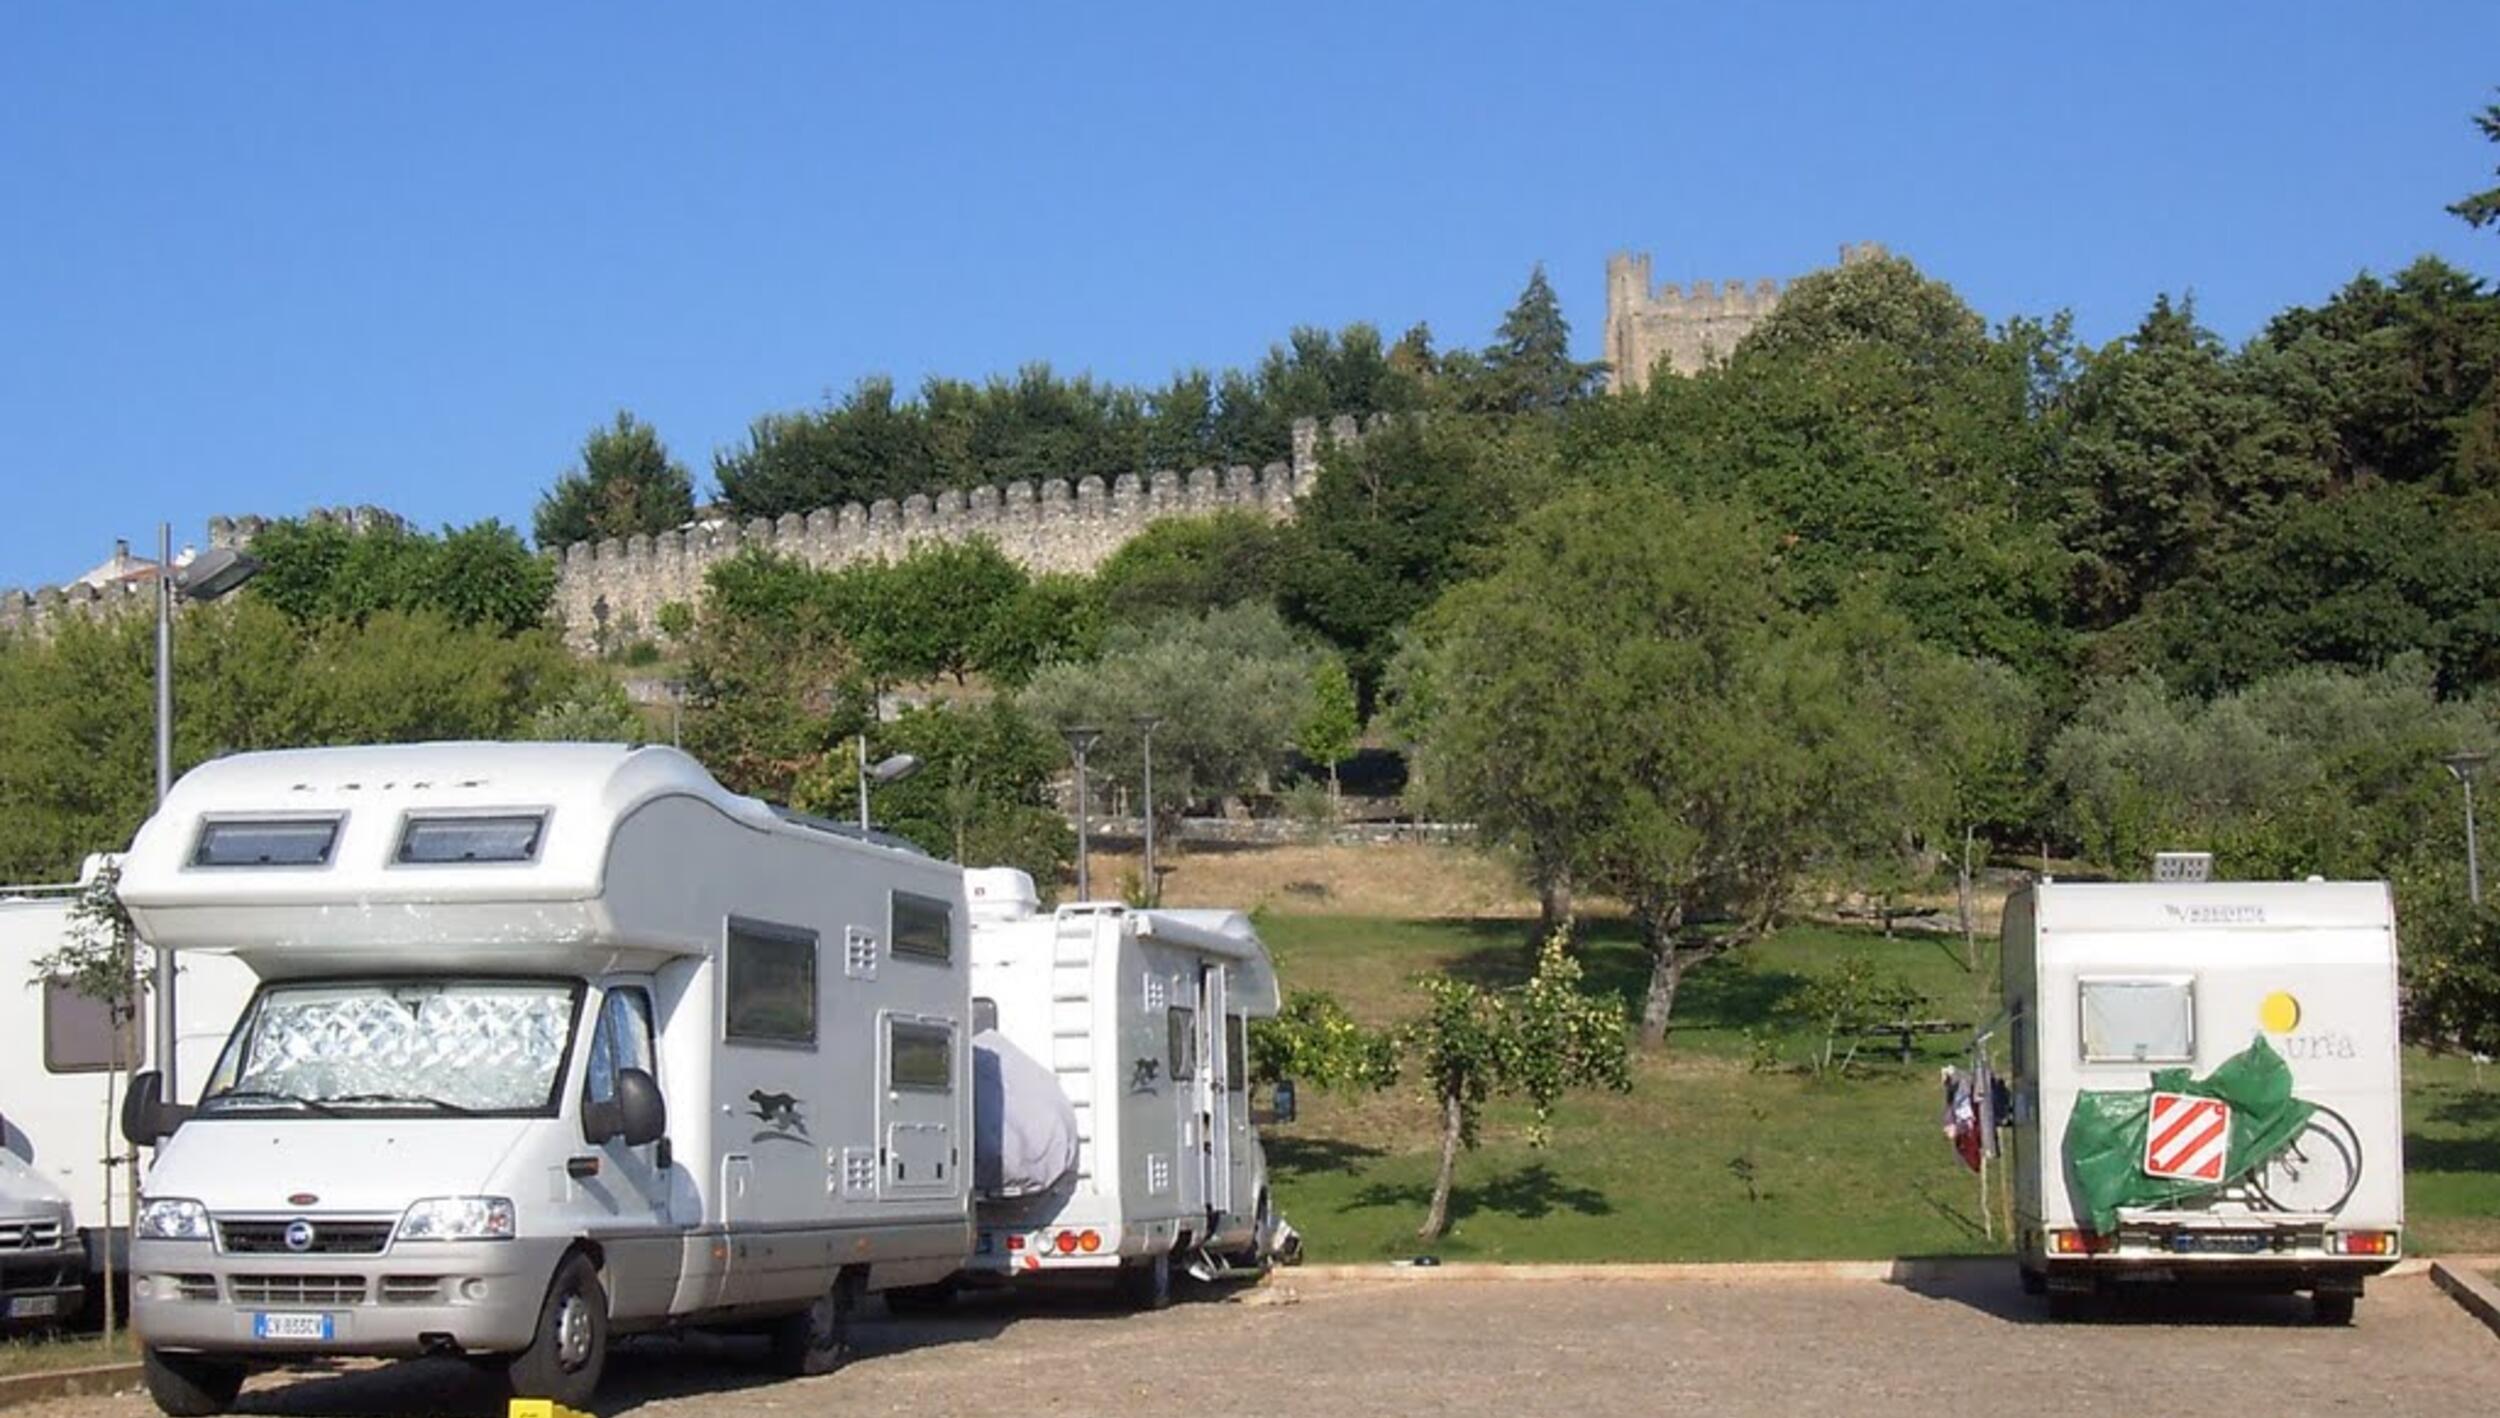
(173, 1219)
(458, 1218)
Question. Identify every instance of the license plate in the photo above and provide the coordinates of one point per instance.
(2222, 1242)
(269, 1326)
(34, 1307)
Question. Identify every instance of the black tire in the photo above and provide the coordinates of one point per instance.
(570, 1351)
(189, 1386)
(817, 1340)
(2035, 1282)
(923, 1299)
(1146, 1284)
(2332, 1307)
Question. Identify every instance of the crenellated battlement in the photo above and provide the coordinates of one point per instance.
(615, 588)
(1687, 327)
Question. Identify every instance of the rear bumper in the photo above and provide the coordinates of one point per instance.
(467, 1297)
(2281, 1274)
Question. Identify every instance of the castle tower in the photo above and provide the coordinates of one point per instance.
(1688, 331)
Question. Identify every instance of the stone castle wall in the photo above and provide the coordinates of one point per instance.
(1687, 329)
(39, 609)
(618, 586)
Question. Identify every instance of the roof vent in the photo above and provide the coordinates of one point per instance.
(2183, 866)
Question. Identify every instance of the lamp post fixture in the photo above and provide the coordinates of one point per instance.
(210, 575)
(1146, 726)
(885, 770)
(1081, 740)
(2465, 767)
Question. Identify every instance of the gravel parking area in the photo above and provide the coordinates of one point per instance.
(1458, 1348)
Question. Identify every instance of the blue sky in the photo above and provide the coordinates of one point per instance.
(259, 257)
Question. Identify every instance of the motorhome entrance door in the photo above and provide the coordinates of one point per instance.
(1215, 1093)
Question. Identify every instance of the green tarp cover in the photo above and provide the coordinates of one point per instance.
(2105, 1135)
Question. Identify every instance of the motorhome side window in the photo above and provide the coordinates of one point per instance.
(78, 1032)
(1236, 1054)
(922, 927)
(1181, 1026)
(622, 1040)
(2138, 1020)
(771, 976)
(266, 842)
(919, 1056)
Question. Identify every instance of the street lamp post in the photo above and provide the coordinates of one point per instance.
(208, 577)
(885, 770)
(1146, 725)
(1081, 740)
(2463, 767)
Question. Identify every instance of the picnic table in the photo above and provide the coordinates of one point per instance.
(1907, 1031)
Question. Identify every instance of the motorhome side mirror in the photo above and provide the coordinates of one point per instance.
(144, 1114)
(641, 1114)
(1284, 1100)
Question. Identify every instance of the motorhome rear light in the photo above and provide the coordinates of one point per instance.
(1015, 1243)
(2081, 1243)
(1067, 1243)
(1089, 1242)
(2362, 1243)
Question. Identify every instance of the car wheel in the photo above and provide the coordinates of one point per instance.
(189, 1386)
(565, 1359)
(1146, 1284)
(817, 1339)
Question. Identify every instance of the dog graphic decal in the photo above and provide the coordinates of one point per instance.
(781, 1117)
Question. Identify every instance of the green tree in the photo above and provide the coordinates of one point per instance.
(983, 794)
(773, 684)
(1229, 688)
(1528, 369)
(1329, 732)
(478, 575)
(948, 602)
(1313, 1040)
(98, 958)
(1625, 694)
(625, 484)
(1538, 1041)
(1192, 565)
(596, 711)
(2483, 208)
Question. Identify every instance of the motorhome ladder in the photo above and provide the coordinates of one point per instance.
(1072, 1027)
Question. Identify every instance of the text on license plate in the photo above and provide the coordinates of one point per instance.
(269, 1326)
(2231, 1242)
(34, 1307)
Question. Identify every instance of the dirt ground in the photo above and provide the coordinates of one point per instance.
(1468, 1349)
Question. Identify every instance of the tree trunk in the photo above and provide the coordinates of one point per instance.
(1437, 1220)
(1666, 971)
(1970, 933)
(1554, 905)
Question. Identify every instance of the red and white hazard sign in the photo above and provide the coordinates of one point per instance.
(2187, 1138)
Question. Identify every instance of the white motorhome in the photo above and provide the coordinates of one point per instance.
(554, 1042)
(2204, 1086)
(61, 1061)
(1141, 1015)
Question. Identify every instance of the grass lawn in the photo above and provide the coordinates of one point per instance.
(35, 1354)
(1710, 1158)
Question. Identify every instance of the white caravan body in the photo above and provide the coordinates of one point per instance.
(1141, 1014)
(62, 1063)
(2105, 983)
(474, 958)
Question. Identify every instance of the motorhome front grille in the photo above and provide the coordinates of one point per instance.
(196, 1287)
(411, 1289)
(319, 1238)
(30, 1235)
(296, 1289)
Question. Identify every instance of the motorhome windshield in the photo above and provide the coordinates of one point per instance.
(355, 1048)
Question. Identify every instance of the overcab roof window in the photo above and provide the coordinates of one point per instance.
(266, 842)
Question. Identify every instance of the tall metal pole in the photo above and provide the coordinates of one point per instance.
(2473, 859)
(863, 782)
(1146, 733)
(166, 1037)
(1080, 743)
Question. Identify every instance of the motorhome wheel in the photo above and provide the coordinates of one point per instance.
(817, 1339)
(571, 1350)
(189, 1386)
(2332, 1307)
(1147, 1283)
